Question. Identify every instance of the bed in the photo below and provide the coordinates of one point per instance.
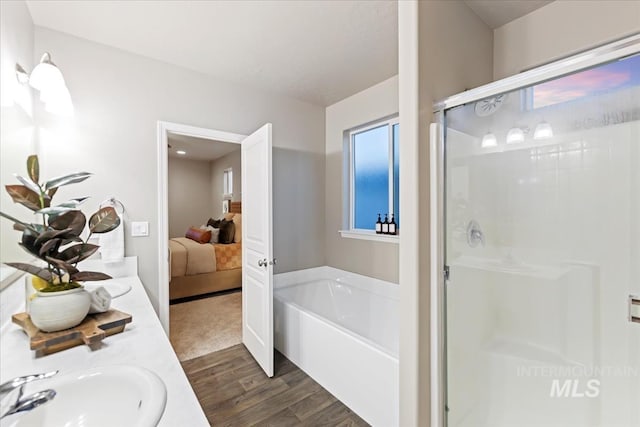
(202, 268)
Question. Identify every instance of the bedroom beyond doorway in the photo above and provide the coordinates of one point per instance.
(194, 257)
(204, 230)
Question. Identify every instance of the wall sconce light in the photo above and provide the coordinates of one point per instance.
(47, 79)
(543, 131)
(515, 136)
(489, 140)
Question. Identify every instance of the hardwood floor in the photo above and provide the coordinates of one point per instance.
(233, 391)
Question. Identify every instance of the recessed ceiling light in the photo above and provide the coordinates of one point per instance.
(182, 153)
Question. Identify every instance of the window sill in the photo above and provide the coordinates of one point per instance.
(370, 235)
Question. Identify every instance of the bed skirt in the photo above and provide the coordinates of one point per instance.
(188, 286)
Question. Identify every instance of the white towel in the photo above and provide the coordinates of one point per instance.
(100, 300)
(112, 245)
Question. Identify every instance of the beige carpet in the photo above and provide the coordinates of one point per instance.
(206, 325)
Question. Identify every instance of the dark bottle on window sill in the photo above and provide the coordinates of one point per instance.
(379, 225)
(393, 229)
(385, 225)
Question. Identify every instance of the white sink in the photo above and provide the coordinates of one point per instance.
(110, 396)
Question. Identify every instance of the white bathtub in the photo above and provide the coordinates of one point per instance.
(342, 329)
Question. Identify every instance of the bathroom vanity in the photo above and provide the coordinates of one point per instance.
(143, 343)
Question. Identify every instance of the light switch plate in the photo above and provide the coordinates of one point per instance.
(139, 228)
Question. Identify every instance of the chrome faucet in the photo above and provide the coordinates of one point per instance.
(18, 403)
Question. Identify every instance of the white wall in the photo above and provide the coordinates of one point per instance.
(559, 29)
(18, 132)
(444, 49)
(119, 97)
(233, 161)
(190, 195)
(375, 259)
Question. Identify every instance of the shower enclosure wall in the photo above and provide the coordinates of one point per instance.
(539, 269)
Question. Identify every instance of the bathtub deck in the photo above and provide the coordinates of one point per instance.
(233, 391)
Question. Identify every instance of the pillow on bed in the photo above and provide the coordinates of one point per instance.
(215, 232)
(237, 220)
(227, 232)
(198, 235)
(215, 223)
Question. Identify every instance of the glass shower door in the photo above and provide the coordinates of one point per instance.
(542, 237)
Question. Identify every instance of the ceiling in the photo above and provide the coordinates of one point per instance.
(318, 51)
(199, 148)
(315, 51)
(496, 13)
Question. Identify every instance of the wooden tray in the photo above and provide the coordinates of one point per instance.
(93, 329)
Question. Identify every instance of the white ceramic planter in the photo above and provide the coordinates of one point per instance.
(55, 311)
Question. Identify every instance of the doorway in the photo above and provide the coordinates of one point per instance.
(256, 232)
(164, 130)
(205, 227)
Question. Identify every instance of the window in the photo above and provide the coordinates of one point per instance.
(374, 174)
(227, 183)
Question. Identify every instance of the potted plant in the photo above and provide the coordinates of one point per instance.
(54, 238)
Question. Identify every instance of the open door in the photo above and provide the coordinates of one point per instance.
(257, 248)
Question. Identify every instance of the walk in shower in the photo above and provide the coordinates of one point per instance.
(537, 309)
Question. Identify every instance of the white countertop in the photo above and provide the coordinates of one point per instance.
(142, 343)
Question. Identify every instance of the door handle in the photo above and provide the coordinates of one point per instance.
(262, 263)
(634, 308)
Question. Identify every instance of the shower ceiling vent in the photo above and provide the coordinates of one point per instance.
(488, 106)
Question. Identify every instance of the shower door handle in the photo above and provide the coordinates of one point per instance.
(634, 308)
